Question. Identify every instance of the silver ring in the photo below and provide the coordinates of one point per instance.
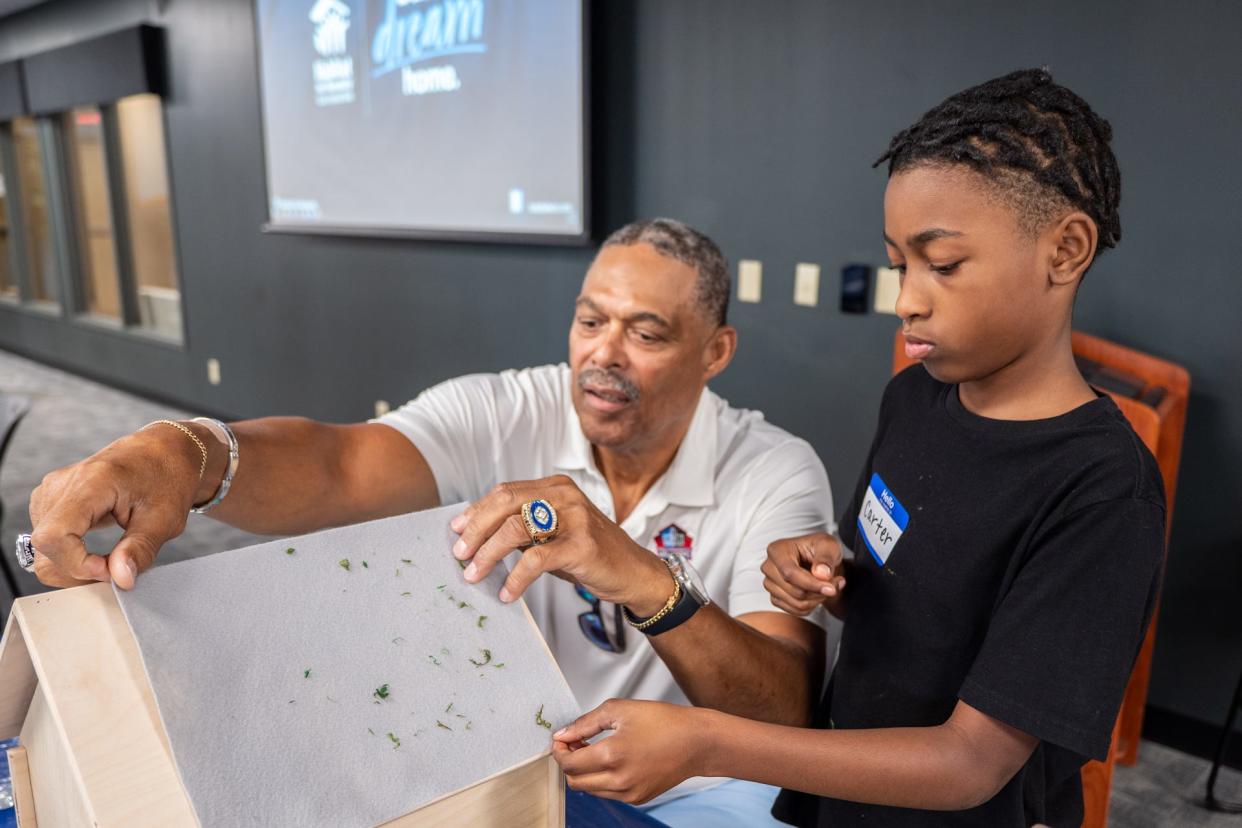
(25, 552)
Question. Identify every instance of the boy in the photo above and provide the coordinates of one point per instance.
(1008, 527)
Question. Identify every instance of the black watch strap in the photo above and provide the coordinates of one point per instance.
(681, 612)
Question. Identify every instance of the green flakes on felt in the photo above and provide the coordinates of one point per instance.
(364, 565)
(290, 551)
(343, 563)
(396, 743)
(482, 618)
(487, 658)
(381, 692)
(433, 660)
(540, 720)
(442, 724)
(306, 673)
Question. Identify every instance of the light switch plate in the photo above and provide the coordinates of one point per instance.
(887, 287)
(213, 371)
(806, 284)
(382, 407)
(749, 280)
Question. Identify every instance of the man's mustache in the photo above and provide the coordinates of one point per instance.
(610, 380)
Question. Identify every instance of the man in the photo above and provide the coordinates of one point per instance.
(636, 457)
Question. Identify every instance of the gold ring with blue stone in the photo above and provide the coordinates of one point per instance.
(540, 520)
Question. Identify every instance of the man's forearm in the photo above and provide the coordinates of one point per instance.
(722, 663)
(293, 477)
(930, 768)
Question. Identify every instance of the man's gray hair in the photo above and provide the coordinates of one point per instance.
(680, 241)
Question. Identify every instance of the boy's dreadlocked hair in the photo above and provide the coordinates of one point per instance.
(1042, 145)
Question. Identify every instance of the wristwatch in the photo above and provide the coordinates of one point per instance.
(689, 595)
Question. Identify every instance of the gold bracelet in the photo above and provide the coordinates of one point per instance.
(202, 468)
(668, 607)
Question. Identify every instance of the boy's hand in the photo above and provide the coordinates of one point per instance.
(802, 573)
(653, 747)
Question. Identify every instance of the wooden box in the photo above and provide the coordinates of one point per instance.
(93, 751)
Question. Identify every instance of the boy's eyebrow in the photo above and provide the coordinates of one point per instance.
(925, 237)
(641, 316)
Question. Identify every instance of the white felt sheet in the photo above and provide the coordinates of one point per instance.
(227, 639)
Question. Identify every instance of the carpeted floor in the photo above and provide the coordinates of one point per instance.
(72, 417)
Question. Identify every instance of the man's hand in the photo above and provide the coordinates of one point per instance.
(802, 573)
(145, 482)
(588, 548)
(653, 747)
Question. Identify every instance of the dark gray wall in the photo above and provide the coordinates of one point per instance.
(756, 121)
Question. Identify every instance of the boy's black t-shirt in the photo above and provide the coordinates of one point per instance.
(1021, 565)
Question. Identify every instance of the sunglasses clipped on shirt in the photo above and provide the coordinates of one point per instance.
(596, 629)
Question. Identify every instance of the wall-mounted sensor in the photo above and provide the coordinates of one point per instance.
(854, 279)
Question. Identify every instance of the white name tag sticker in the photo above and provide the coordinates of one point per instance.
(882, 520)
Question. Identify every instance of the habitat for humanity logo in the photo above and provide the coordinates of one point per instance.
(333, 71)
(416, 31)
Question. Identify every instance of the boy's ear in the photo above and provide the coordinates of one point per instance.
(1074, 238)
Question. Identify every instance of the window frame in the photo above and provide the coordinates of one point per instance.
(59, 171)
(20, 252)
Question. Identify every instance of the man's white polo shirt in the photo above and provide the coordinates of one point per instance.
(737, 484)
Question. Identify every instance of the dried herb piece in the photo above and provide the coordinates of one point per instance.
(462, 605)
(487, 658)
(381, 692)
(406, 594)
(442, 724)
(468, 725)
(499, 665)
(396, 743)
(290, 551)
(406, 561)
(364, 565)
(372, 732)
(462, 564)
(444, 651)
(441, 587)
(306, 673)
(482, 618)
(540, 720)
(344, 564)
(450, 707)
(433, 660)
(397, 639)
